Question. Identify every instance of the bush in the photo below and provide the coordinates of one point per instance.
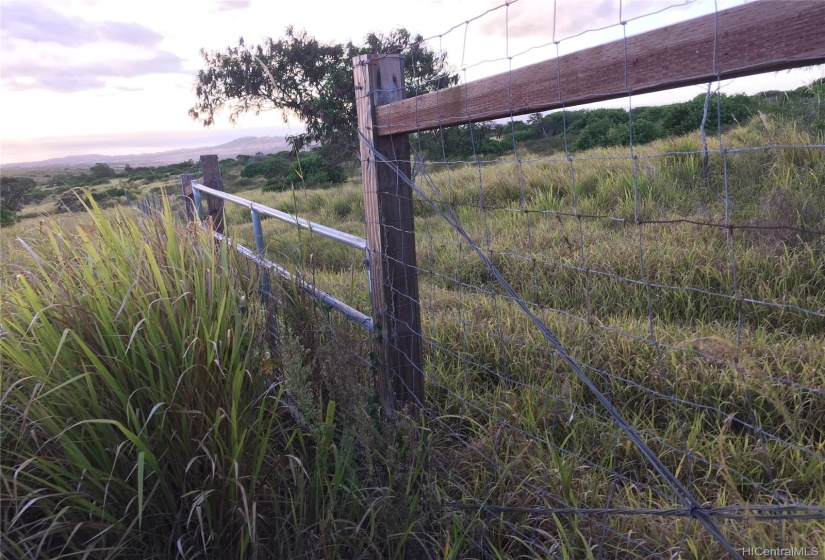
(463, 142)
(102, 170)
(115, 192)
(14, 190)
(597, 134)
(150, 174)
(37, 194)
(281, 170)
(72, 200)
(274, 185)
(275, 165)
(7, 217)
(681, 118)
(313, 169)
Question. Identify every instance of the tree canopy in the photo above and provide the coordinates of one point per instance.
(13, 191)
(102, 171)
(302, 76)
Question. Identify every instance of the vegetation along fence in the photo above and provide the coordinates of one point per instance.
(615, 351)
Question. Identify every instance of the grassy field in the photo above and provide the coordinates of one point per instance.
(143, 415)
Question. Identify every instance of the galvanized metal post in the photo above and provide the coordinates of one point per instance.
(266, 282)
(196, 193)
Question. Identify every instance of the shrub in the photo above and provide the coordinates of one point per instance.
(281, 170)
(71, 200)
(274, 185)
(14, 190)
(275, 165)
(102, 170)
(115, 192)
(7, 217)
(313, 169)
(37, 194)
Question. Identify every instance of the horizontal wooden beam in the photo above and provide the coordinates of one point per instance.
(764, 36)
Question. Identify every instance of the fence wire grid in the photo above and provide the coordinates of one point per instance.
(624, 346)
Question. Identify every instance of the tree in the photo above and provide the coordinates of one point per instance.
(7, 217)
(536, 122)
(644, 130)
(102, 171)
(312, 80)
(14, 190)
(595, 134)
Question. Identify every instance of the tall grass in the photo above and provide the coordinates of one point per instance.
(142, 417)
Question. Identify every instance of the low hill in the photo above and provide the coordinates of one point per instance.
(247, 145)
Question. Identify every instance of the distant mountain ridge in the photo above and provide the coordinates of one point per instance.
(248, 145)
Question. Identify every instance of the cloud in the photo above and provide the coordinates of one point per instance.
(68, 78)
(227, 5)
(60, 83)
(31, 21)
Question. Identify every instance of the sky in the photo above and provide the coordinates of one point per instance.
(117, 76)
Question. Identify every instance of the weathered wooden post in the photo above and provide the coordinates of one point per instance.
(188, 200)
(388, 206)
(212, 179)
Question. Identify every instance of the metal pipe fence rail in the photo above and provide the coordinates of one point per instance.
(195, 206)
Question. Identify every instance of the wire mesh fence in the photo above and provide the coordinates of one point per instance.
(623, 345)
(622, 313)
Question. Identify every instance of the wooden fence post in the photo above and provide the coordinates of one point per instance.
(212, 179)
(188, 200)
(388, 206)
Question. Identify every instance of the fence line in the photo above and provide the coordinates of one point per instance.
(742, 41)
(493, 357)
(675, 485)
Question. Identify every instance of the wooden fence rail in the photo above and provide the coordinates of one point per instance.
(764, 36)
